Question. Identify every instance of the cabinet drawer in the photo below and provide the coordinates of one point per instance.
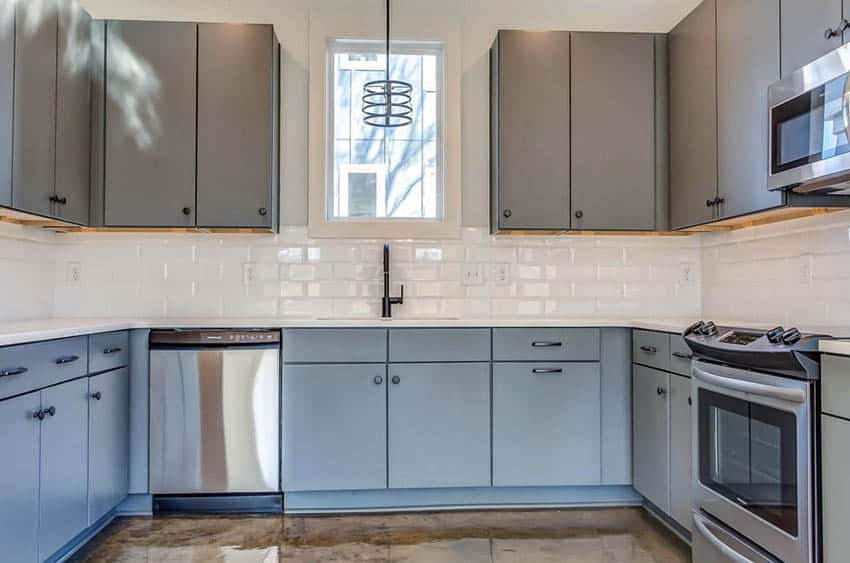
(651, 348)
(546, 344)
(835, 380)
(33, 366)
(440, 345)
(108, 351)
(680, 355)
(334, 345)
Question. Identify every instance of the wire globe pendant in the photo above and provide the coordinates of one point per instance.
(387, 103)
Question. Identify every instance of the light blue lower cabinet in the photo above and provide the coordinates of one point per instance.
(109, 442)
(19, 434)
(63, 503)
(546, 424)
(439, 425)
(334, 427)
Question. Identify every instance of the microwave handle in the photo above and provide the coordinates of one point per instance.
(727, 551)
(781, 393)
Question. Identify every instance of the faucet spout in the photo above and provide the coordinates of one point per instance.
(387, 302)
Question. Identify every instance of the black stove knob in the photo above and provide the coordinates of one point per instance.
(791, 336)
(775, 335)
(695, 328)
(709, 329)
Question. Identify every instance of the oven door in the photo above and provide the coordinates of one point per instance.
(752, 468)
(809, 126)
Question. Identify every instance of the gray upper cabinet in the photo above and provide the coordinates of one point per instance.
(693, 118)
(73, 115)
(651, 434)
(530, 131)
(19, 434)
(109, 442)
(804, 27)
(546, 424)
(334, 427)
(237, 138)
(33, 162)
(613, 131)
(747, 64)
(63, 499)
(150, 124)
(439, 425)
(7, 91)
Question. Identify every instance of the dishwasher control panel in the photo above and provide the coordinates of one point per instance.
(213, 337)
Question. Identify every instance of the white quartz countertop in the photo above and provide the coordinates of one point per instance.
(18, 332)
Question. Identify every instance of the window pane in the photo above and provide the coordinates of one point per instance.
(384, 173)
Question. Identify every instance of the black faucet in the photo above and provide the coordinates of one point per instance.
(387, 302)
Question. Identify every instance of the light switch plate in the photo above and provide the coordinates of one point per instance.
(473, 274)
(249, 274)
(686, 272)
(502, 274)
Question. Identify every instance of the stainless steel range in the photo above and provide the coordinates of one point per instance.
(754, 435)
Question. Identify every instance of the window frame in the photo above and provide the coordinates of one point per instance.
(338, 46)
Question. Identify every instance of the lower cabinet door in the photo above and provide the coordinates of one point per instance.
(680, 451)
(651, 434)
(836, 504)
(546, 424)
(439, 425)
(19, 434)
(109, 442)
(334, 427)
(64, 461)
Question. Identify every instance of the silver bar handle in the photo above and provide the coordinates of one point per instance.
(541, 371)
(12, 371)
(683, 356)
(781, 393)
(649, 349)
(114, 350)
(730, 553)
(544, 344)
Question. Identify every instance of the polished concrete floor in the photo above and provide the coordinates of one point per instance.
(564, 536)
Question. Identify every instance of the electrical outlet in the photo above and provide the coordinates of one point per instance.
(73, 273)
(502, 274)
(473, 274)
(249, 274)
(686, 272)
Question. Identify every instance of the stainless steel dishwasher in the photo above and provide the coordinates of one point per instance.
(214, 412)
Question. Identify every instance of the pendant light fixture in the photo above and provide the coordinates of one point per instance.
(387, 103)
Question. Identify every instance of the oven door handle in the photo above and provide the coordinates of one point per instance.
(730, 553)
(760, 389)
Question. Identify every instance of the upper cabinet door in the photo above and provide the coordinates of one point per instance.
(150, 124)
(73, 114)
(693, 118)
(237, 110)
(804, 27)
(35, 106)
(7, 85)
(747, 64)
(613, 131)
(530, 130)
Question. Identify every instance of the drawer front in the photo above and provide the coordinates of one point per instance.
(440, 345)
(32, 366)
(680, 355)
(108, 351)
(334, 345)
(835, 382)
(651, 348)
(546, 344)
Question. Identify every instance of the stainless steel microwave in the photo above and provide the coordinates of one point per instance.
(810, 127)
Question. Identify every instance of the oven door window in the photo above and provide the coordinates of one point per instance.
(748, 454)
(811, 127)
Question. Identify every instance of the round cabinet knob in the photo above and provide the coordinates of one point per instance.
(96, 396)
(39, 414)
(396, 380)
(51, 411)
(709, 202)
(579, 214)
(830, 33)
(690, 401)
(507, 213)
(187, 211)
(661, 391)
(378, 380)
(719, 200)
(263, 211)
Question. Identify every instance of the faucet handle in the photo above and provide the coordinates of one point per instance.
(400, 299)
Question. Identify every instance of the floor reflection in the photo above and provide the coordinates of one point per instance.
(565, 536)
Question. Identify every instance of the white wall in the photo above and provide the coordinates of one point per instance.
(27, 272)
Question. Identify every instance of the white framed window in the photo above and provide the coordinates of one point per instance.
(398, 169)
